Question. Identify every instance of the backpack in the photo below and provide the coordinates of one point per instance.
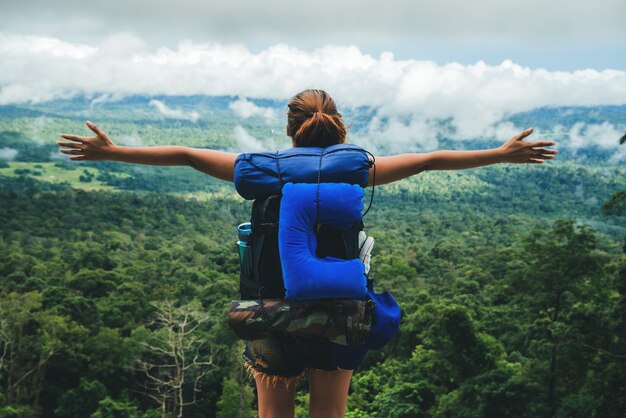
(261, 176)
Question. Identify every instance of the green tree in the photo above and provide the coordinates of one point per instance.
(564, 274)
(81, 401)
(617, 202)
(29, 338)
(235, 400)
(112, 408)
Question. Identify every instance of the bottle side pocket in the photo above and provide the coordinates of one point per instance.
(245, 261)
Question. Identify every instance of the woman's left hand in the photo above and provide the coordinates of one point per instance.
(99, 147)
(515, 150)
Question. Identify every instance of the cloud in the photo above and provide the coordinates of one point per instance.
(174, 113)
(476, 95)
(248, 143)
(21, 44)
(394, 135)
(603, 136)
(104, 98)
(413, 102)
(246, 109)
(7, 154)
(245, 141)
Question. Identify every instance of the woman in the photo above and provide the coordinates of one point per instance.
(312, 120)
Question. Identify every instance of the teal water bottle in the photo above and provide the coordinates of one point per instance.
(244, 232)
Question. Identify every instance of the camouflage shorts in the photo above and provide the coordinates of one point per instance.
(340, 321)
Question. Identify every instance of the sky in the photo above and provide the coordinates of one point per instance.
(414, 62)
(556, 35)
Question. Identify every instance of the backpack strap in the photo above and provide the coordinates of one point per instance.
(261, 228)
(372, 164)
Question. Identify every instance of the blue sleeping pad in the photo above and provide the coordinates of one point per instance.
(306, 276)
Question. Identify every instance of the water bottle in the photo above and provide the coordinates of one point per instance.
(244, 232)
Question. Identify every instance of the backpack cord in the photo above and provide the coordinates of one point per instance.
(317, 196)
(280, 179)
(373, 162)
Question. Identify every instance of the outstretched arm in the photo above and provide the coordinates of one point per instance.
(515, 150)
(218, 164)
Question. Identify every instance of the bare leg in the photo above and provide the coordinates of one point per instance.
(276, 395)
(329, 393)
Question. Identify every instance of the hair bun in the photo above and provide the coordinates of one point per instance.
(313, 120)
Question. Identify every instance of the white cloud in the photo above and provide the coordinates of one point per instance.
(104, 98)
(474, 94)
(604, 136)
(248, 143)
(410, 98)
(394, 136)
(20, 44)
(174, 113)
(245, 141)
(7, 154)
(246, 109)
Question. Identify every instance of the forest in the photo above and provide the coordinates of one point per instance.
(511, 280)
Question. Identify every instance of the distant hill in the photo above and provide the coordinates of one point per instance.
(204, 121)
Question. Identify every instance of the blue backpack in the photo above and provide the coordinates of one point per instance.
(290, 258)
(261, 177)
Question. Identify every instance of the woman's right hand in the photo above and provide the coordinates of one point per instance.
(95, 148)
(515, 150)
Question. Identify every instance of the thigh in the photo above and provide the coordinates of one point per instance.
(276, 369)
(275, 400)
(329, 392)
